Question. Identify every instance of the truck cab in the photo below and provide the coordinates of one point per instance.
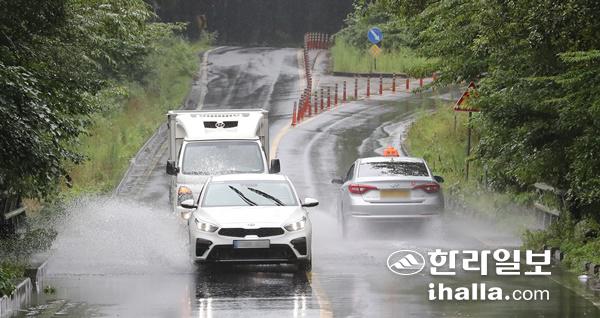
(208, 143)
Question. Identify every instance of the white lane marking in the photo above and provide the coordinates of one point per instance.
(204, 77)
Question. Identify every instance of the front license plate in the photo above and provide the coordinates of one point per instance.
(395, 194)
(252, 244)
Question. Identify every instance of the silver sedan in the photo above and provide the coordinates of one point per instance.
(388, 189)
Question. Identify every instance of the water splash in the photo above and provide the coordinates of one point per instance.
(104, 236)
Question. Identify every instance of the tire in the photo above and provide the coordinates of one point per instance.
(305, 266)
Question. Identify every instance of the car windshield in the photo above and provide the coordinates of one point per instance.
(252, 193)
(392, 168)
(222, 157)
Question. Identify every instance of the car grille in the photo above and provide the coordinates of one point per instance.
(228, 253)
(260, 232)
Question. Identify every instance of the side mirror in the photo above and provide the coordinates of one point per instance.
(438, 179)
(171, 168)
(188, 204)
(275, 166)
(310, 202)
(337, 181)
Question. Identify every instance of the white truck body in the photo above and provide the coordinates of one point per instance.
(205, 143)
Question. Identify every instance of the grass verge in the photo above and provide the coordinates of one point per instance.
(131, 112)
(347, 58)
(434, 137)
(440, 137)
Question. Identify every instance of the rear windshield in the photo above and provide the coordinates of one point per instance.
(253, 193)
(222, 157)
(390, 169)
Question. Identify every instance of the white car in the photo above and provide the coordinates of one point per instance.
(250, 218)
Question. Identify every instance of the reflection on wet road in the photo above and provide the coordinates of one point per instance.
(128, 256)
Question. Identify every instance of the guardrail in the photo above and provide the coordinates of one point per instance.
(12, 215)
(546, 214)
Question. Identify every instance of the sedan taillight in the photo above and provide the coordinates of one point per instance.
(360, 188)
(431, 187)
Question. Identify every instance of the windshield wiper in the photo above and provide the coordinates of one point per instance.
(241, 195)
(266, 195)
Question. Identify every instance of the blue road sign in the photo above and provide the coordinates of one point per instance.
(375, 35)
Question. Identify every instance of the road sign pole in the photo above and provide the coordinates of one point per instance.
(468, 145)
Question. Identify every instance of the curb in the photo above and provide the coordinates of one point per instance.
(20, 297)
(37, 275)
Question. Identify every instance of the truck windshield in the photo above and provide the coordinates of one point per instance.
(251, 193)
(222, 157)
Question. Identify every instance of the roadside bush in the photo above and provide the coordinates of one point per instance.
(8, 273)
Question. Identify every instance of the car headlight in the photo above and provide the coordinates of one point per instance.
(296, 226)
(205, 226)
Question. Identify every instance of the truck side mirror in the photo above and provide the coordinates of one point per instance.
(275, 166)
(171, 168)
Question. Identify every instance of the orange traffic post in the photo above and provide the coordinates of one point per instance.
(407, 84)
(421, 82)
(301, 109)
(328, 98)
(368, 86)
(380, 84)
(344, 93)
(394, 82)
(294, 115)
(335, 95)
(308, 106)
(321, 99)
(355, 88)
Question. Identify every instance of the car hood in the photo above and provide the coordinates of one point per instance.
(251, 216)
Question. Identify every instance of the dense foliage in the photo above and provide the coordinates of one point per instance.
(55, 57)
(8, 275)
(537, 64)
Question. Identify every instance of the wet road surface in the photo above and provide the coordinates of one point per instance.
(127, 256)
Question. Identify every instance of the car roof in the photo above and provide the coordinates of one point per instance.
(249, 177)
(390, 159)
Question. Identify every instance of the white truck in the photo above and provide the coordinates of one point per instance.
(205, 143)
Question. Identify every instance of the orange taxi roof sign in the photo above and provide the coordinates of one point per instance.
(390, 152)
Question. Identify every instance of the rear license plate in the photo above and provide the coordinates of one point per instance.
(251, 244)
(395, 194)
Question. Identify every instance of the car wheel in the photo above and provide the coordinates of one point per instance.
(305, 265)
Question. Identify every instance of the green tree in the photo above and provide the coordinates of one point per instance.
(55, 56)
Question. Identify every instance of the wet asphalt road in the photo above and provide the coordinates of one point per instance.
(127, 257)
